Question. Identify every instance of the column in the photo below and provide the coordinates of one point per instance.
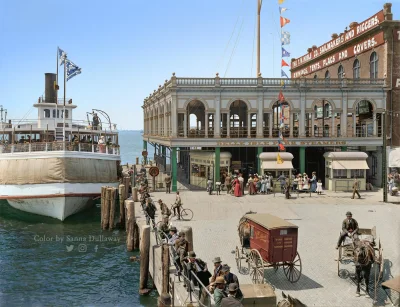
(206, 124)
(374, 122)
(333, 125)
(354, 124)
(259, 151)
(217, 118)
(291, 123)
(302, 116)
(165, 120)
(228, 124)
(174, 168)
(164, 154)
(271, 122)
(302, 157)
(248, 124)
(217, 165)
(343, 118)
(185, 124)
(260, 118)
(312, 123)
(145, 149)
(174, 115)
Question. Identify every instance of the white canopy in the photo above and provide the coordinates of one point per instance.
(394, 158)
(269, 160)
(348, 164)
(347, 159)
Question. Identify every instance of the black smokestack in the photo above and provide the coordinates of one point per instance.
(50, 92)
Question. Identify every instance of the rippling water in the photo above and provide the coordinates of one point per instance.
(37, 269)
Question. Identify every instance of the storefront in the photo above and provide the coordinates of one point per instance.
(342, 168)
(202, 166)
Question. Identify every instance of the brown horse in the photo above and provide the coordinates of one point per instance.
(364, 257)
(289, 301)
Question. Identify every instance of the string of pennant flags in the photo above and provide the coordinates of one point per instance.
(285, 40)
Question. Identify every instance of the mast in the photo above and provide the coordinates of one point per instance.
(259, 4)
(65, 83)
(56, 86)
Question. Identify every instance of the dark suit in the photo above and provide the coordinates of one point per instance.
(230, 301)
(348, 226)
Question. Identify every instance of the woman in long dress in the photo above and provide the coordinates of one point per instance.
(314, 182)
(257, 183)
(299, 182)
(268, 183)
(306, 185)
(251, 185)
(263, 185)
(238, 191)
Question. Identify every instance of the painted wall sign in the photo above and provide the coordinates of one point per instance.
(396, 34)
(286, 143)
(354, 32)
(349, 52)
(397, 83)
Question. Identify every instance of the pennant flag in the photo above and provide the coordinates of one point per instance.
(283, 74)
(282, 10)
(281, 147)
(279, 160)
(280, 1)
(284, 21)
(283, 83)
(72, 70)
(280, 97)
(285, 38)
(61, 54)
(285, 54)
(283, 63)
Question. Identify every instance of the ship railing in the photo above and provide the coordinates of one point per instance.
(60, 146)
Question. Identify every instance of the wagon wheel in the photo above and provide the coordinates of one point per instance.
(275, 267)
(238, 259)
(256, 267)
(293, 269)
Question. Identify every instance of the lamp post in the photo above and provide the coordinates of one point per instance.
(384, 164)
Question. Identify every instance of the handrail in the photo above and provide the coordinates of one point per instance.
(206, 290)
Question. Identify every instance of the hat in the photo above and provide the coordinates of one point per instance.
(165, 299)
(348, 213)
(225, 268)
(192, 254)
(160, 200)
(220, 280)
(233, 287)
(217, 259)
(173, 228)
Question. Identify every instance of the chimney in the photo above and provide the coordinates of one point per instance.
(387, 11)
(334, 35)
(49, 90)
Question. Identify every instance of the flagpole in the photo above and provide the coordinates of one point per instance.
(259, 4)
(57, 84)
(65, 91)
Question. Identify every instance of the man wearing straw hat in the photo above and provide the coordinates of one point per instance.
(219, 290)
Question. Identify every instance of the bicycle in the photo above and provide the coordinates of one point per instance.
(186, 214)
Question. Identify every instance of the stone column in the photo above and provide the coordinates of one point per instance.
(302, 115)
(206, 115)
(174, 115)
(185, 124)
(271, 122)
(259, 151)
(217, 118)
(228, 124)
(165, 120)
(302, 157)
(260, 116)
(291, 122)
(354, 124)
(343, 118)
(312, 123)
(217, 164)
(374, 123)
(174, 167)
(248, 124)
(333, 124)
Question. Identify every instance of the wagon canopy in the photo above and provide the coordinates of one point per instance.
(269, 221)
(393, 284)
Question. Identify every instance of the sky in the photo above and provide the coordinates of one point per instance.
(127, 48)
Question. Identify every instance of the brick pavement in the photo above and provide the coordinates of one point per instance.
(319, 219)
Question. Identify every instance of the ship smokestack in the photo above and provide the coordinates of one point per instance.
(50, 92)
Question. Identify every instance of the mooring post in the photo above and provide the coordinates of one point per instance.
(136, 238)
(130, 205)
(187, 230)
(165, 268)
(121, 194)
(144, 259)
(103, 201)
(126, 183)
(107, 209)
(113, 200)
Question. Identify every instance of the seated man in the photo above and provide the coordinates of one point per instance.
(177, 205)
(349, 229)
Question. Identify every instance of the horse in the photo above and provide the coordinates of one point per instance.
(364, 257)
(289, 301)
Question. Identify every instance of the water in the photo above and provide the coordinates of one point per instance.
(36, 268)
(132, 146)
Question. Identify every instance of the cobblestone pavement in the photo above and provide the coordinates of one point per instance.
(319, 218)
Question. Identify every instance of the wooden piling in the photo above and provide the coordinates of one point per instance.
(165, 268)
(189, 236)
(130, 205)
(144, 259)
(126, 182)
(113, 199)
(121, 194)
(136, 239)
(106, 217)
(103, 201)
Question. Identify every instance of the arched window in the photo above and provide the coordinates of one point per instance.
(315, 112)
(327, 75)
(328, 111)
(340, 72)
(234, 120)
(326, 130)
(356, 69)
(46, 113)
(373, 65)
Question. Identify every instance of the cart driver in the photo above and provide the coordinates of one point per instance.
(349, 228)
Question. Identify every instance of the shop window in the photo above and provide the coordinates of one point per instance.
(341, 72)
(359, 173)
(373, 65)
(46, 113)
(340, 173)
(356, 69)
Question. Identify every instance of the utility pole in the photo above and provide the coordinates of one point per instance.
(384, 163)
(259, 4)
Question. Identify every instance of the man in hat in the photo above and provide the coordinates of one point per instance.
(231, 278)
(164, 208)
(150, 210)
(199, 268)
(356, 186)
(217, 268)
(167, 181)
(177, 205)
(180, 257)
(349, 229)
(228, 184)
(219, 290)
(163, 228)
(173, 236)
(231, 300)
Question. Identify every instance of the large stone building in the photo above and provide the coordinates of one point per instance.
(323, 112)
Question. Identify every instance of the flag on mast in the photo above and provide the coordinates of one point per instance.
(61, 54)
(285, 54)
(283, 74)
(281, 98)
(283, 63)
(72, 70)
(284, 21)
(279, 160)
(285, 38)
(282, 10)
(281, 1)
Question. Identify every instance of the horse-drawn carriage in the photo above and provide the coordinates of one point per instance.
(362, 252)
(268, 241)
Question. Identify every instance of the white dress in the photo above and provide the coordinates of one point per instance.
(306, 186)
(319, 187)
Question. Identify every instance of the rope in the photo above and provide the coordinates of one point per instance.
(234, 48)
(254, 39)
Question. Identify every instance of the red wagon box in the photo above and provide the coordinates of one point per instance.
(273, 237)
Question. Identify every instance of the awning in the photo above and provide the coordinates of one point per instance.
(394, 158)
(349, 164)
(271, 165)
